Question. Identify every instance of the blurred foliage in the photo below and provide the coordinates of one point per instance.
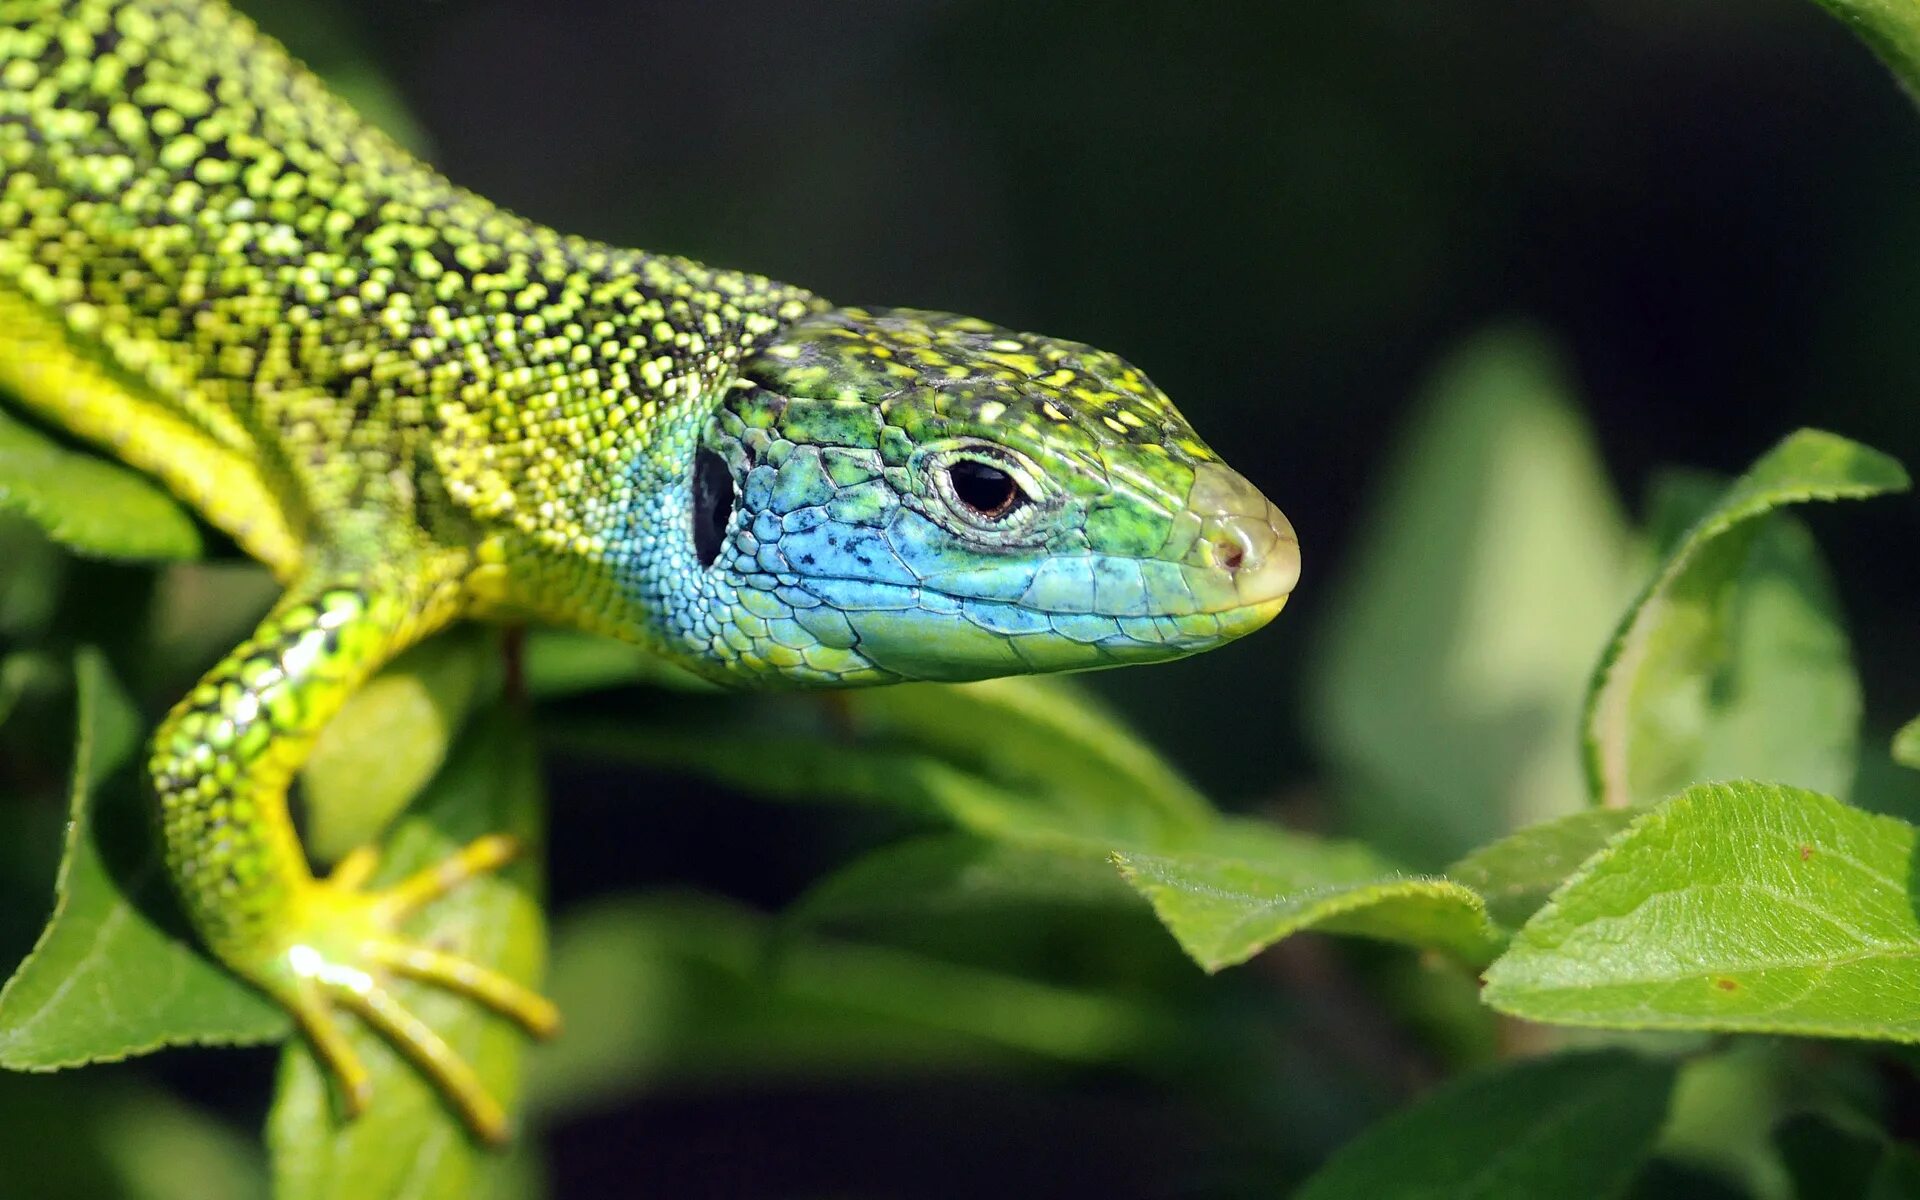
(1575, 1125)
(988, 901)
(1448, 679)
(86, 505)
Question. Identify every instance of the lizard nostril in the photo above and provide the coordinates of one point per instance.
(1244, 542)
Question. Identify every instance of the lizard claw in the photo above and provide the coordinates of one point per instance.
(347, 945)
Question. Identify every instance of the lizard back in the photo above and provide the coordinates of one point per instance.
(216, 269)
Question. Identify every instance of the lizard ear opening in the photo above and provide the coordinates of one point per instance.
(712, 505)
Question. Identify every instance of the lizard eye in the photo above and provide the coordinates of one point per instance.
(712, 505)
(987, 491)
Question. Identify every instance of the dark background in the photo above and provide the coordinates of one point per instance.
(1284, 212)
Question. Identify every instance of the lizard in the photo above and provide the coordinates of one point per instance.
(416, 407)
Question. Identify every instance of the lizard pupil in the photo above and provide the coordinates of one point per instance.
(988, 491)
(712, 505)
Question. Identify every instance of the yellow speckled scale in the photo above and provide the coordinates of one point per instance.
(416, 407)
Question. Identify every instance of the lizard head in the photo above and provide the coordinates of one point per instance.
(895, 494)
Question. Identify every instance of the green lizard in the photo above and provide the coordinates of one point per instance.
(415, 407)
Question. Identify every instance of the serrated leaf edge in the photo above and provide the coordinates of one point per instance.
(1490, 991)
(81, 789)
(1341, 899)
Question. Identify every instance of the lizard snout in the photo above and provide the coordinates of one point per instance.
(1244, 535)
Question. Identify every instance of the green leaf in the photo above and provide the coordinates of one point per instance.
(709, 990)
(1723, 1105)
(390, 738)
(1048, 735)
(926, 878)
(87, 504)
(374, 96)
(1254, 884)
(1663, 1179)
(814, 767)
(1898, 1175)
(201, 610)
(1577, 1125)
(1906, 745)
(1736, 907)
(1737, 616)
(89, 1137)
(323, 36)
(1891, 28)
(162, 1150)
(1515, 874)
(30, 586)
(1447, 687)
(1061, 776)
(1829, 1162)
(18, 674)
(116, 971)
(409, 1145)
(561, 663)
(1058, 768)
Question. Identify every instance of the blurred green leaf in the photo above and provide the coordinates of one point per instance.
(929, 877)
(30, 586)
(17, 674)
(1253, 885)
(1732, 907)
(1891, 28)
(1723, 1105)
(371, 94)
(1516, 874)
(83, 1137)
(1664, 1180)
(1692, 682)
(323, 35)
(1882, 782)
(1576, 1125)
(1041, 734)
(203, 609)
(1828, 1162)
(116, 972)
(162, 1150)
(409, 1145)
(87, 504)
(1906, 744)
(390, 738)
(560, 663)
(1057, 767)
(709, 990)
(1448, 685)
(814, 767)
(1898, 1175)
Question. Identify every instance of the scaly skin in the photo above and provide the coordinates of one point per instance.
(417, 408)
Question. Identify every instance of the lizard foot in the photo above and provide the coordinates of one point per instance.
(347, 946)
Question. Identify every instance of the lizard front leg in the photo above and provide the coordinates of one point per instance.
(222, 763)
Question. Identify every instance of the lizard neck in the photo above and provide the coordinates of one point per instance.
(570, 389)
